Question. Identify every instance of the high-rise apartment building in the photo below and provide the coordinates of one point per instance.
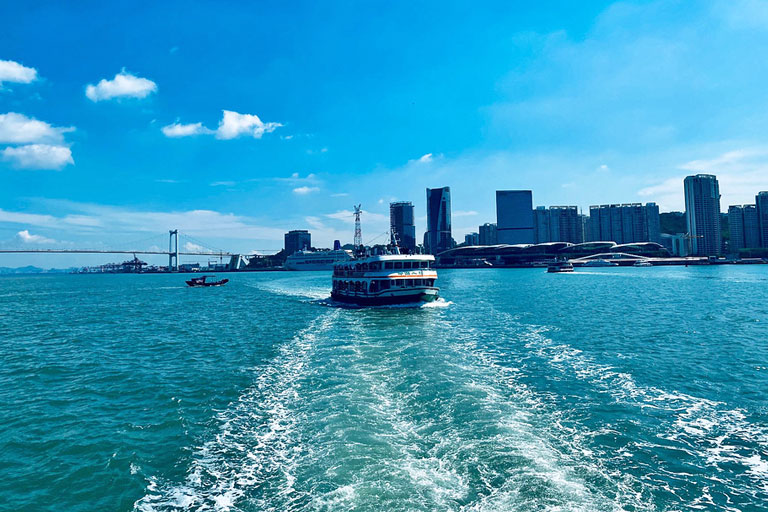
(558, 224)
(472, 239)
(438, 236)
(702, 214)
(744, 227)
(624, 223)
(487, 234)
(401, 225)
(761, 203)
(514, 216)
(297, 240)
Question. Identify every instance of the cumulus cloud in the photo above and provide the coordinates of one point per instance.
(231, 126)
(190, 247)
(11, 71)
(185, 130)
(305, 190)
(20, 129)
(38, 156)
(234, 124)
(124, 85)
(426, 158)
(28, 238)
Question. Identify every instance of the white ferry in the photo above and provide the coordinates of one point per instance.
(316, 260)
(386, 279)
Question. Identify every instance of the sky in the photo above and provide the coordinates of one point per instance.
(234, 122)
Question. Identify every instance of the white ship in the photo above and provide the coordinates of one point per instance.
(316, 260)
(386, 279)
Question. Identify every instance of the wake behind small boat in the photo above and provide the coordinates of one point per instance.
(203, 281)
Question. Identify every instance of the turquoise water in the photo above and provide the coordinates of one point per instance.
(608, 389)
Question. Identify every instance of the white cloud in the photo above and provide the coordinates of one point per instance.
(11, 71)
(190, 247)
(26, 237)
(426, 158)
(464, 213)
(223, 184)
(305, 190)
(742, 173)
(38, 156)
(349, 216)
(123, 85)
(185, 130)
(20, 129)
(93, 218)
(340, 194)
(315, 222)
(231, 126)
(234, 124)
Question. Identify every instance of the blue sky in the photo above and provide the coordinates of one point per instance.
(234, 122)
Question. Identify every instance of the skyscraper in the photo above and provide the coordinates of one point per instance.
(438, 236)
(297, 240)
(402, 226)
(624, 223)
(702, 214)
(487, 234)
(761, 202)
(514, 216)
(558, 224)
(744, 227)
(472, 239)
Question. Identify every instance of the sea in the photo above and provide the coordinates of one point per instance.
(608, 389)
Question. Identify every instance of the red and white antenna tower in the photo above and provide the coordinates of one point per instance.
(358, 241)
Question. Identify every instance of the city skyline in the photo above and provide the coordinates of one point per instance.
(594, 104)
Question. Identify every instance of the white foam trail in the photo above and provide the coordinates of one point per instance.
(255, 445)
(707, 429)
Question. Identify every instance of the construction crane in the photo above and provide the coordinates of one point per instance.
(358, 240)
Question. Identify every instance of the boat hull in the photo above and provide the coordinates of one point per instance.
(424, 295)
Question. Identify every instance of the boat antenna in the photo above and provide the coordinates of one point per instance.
(358, 240)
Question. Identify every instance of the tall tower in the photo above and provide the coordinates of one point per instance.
(401, 226)
(438, 236)
(702, 213)
(358, 241)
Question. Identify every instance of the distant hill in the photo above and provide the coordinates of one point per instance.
(673, 223)
(35, 270)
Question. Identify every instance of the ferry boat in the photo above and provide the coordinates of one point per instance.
(316, 260)
(560, 266)
(385, 279)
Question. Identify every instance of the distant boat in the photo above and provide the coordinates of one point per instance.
(560, 266)
(643, 263)
(600, 263)
(202, 281)
(316, 260)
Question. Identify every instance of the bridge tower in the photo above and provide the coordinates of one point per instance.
(173, 250)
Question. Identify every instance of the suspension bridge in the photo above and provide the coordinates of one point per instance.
(191, 247)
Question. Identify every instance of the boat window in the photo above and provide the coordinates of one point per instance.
(406, 264)
(417, 282)
(398, 264)
(373, 286)
(388, 265)
(384, 285)
(402, 283)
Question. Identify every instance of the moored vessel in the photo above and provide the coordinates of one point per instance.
(386, 279)
(316, 260)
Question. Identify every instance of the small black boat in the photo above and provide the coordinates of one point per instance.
(201, 281)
